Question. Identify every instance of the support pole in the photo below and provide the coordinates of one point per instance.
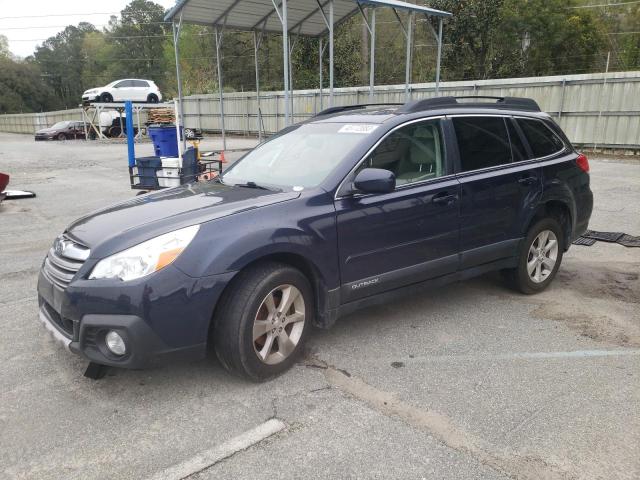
(131, 154)
(218, 36)
(291, 46)
(407, 68)
(176, 38)
(320, 52)
(372, 54)
(256, 46)
(330, 53)
(285, 62)
(439, 56)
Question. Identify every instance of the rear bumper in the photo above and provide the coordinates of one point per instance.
(162, 319)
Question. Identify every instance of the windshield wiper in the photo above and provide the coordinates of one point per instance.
(253, 185)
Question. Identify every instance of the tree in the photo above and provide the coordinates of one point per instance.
(62, 62)
(22, 88)
(138, 40)
(4, 47)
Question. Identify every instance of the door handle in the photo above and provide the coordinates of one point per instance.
(444, 198)
(528, 181)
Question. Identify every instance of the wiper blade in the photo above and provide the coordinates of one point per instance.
(252, 185)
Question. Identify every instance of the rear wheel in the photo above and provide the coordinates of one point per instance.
(263, 321)
(152, 98)
(106, 98)
(539, 259)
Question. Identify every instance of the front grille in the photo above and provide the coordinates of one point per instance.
(64, 260)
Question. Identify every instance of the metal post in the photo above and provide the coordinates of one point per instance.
(130, 148)
(407, 68)
(372, 54)
(218, 35)
(439, 55)
(331, 53)
(320, 51)
(256, 46)
(564, 84)
(291, 77)
(176, 38)
(285, 61)
(604, 86)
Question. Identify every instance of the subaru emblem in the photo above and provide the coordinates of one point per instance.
(58, 246)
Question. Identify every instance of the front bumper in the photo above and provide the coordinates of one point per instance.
(161, 318)
(90, 98)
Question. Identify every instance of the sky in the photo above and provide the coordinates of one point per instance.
(41, 19)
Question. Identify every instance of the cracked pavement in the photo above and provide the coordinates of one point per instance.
(469, 381)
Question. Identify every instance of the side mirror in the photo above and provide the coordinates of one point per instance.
(375, 180)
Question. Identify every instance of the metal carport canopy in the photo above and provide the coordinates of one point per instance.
(310, 18)
(304, 16)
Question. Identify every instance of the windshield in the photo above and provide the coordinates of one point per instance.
(301, 158)
(60, 125)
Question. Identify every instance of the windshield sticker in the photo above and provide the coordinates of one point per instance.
(362, 128)
(298, 189)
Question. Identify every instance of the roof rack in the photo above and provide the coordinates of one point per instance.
(505, 103)
(344, 108)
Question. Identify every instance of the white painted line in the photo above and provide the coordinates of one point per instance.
(210, 457)
(529, 355)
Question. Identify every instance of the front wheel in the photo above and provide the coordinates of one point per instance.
(539, 259)
(263, 321)
(106, 98)
(62, 136)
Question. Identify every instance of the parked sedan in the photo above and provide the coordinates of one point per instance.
(62, 131)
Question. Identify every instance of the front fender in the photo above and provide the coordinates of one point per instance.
(304, 227)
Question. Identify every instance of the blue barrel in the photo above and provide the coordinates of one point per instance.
(147, 170)
(164, 140)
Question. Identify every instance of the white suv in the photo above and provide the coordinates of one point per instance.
(134, 89)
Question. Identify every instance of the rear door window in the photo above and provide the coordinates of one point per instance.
(140, 83)
(542, 140)
(483, 142)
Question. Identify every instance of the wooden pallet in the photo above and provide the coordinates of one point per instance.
(161, 115)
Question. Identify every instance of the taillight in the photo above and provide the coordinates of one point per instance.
(583, 162)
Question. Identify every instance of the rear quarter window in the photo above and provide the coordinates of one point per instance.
(541, 139)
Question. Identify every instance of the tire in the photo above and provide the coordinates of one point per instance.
(61, 136)
(106, 98)
(152, 98)
(189, 133)
(542, 251)
(245, 306)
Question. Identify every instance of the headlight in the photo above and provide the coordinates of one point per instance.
(145, 258)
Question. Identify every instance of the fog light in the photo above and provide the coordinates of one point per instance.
(115, 343)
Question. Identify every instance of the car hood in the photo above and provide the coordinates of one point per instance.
(128, 223)
(47, 130)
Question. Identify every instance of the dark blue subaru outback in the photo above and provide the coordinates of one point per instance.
(350, 208)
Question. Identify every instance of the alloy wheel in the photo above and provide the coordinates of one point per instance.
(278, 324)
(542, 257)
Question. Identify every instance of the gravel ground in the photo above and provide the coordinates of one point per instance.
(465, 382)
